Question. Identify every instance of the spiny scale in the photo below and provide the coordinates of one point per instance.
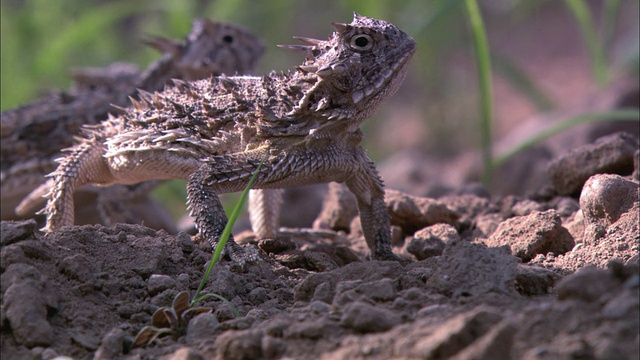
(215, 132)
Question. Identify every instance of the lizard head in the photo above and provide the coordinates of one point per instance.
(360, 65)
(212, 48)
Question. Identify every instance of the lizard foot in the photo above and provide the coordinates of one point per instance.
(242, 256)
(390, 256)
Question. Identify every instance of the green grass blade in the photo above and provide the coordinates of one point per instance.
(420, 19)
(483, 61)
(614, 115)
(226, 233)
(609, 24)
(581, 13)
(442, 10)
(202, 297)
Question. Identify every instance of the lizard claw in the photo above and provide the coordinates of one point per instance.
(241, 256)
(390, 256)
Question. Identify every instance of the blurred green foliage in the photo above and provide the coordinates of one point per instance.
(41, 40)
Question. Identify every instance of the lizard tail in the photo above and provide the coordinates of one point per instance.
(85, 164)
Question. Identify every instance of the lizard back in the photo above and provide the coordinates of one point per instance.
(341, 83)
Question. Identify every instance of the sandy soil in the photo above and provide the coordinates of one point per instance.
(539, 277)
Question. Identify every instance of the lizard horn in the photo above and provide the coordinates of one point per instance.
(307, 68)
(307, 50)
(308, 41)
(341, 27)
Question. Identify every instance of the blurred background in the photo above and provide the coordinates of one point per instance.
(541, 63)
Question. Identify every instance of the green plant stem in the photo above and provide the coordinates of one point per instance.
(581, 13)
(225, 236)
(483, 61)
(609, 25)
(437, 12)
(202, 297)
(614, 115)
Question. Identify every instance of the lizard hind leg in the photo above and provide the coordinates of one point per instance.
(34, 199)
(264, 212)
(84, 165)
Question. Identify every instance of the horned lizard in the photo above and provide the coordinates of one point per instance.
(34, 134)
(304, 125)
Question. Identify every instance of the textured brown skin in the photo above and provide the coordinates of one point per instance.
(215, 133)
(34, 134)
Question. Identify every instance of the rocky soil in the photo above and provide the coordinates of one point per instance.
(551, 275)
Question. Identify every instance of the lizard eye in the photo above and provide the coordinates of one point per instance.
(361, 42)
(228, 39)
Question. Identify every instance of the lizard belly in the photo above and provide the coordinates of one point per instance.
(137, 166)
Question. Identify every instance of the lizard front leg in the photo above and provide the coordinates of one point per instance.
(218, 175)
(328, 162)
(367, 186)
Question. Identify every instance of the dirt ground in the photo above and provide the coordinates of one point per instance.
(553, 275)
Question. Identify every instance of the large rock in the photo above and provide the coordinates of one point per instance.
(413, 213)
(603, 200)
(338, 209)
(27, 296)
(468, 270)
(611, 154)
(431, 240)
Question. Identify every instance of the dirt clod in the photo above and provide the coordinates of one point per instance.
(338, 209)
(365, 318)
(413, 213)
(14, 231)
(458, 333)
(603, 200)
(27, 298)
(431, 240)
(611, 154)
(536, 233)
